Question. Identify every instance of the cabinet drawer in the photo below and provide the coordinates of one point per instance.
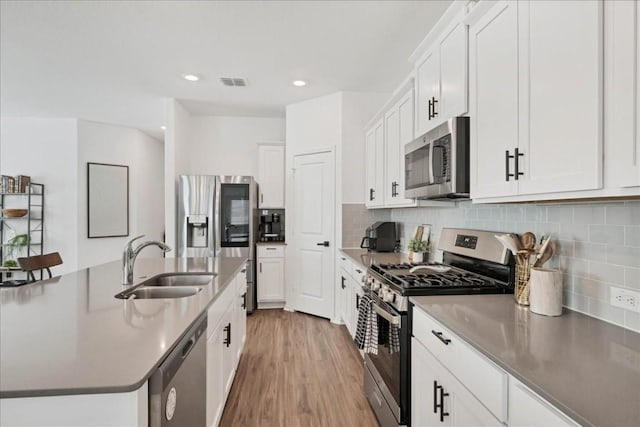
(220, 306)
(241, 281)
(344, 263)
(358, 273)
(478, 374)
(527, 409)
(266, 251)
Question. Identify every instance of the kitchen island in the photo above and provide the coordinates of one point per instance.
(68, 345)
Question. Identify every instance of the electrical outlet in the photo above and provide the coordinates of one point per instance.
(625, 298)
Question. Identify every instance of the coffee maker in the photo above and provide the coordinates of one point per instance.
(382, 236)
(271, 227)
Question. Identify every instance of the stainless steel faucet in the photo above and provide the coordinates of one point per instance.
(129, 256)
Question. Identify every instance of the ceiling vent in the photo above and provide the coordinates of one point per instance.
(233, 81)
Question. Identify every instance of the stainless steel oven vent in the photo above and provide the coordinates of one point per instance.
(233, 81)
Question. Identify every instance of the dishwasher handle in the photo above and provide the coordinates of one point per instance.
(188, 346)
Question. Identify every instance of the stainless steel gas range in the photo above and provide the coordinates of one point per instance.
(474, 262)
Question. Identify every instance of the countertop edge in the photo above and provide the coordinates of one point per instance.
(12, 394)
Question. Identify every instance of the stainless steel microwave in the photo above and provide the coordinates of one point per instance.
(437, 163)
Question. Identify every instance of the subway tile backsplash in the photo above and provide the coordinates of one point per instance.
(598, 242)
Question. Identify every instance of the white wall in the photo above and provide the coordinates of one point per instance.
(357, 110)
(176, 142)
(103, 143)
(228, 145)
(46, 150)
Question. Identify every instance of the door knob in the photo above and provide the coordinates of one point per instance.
(325, 243)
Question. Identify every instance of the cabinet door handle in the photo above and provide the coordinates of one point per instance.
(357, 301)
(430, 107)
(436, 387)
(506, 160)
(372, 194)
(442, 412)
(261, 198)
(228, 334)
(260, 267)
(325, 244)
(435, 101)
(343, 280)
(438, 335)
(517, 155)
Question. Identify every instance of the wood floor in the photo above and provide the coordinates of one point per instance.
(297, 370)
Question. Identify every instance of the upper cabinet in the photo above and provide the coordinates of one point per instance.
(622, 113)
(271, 176)
(374, 154)
(441, 79)
(536, 92)
(398, 127)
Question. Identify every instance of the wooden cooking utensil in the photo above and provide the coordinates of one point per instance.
(528, 240)
(548, 252)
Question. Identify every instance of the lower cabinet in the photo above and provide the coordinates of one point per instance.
(438, 398)
(452, 384)
(270, 277)
(226, 334)
(527, 409)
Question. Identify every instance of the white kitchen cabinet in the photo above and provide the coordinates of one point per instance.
(441, 78)
(374, 167)
(270, 279)
(215, 379)
(527, 409)
(437, 398)
(240, 330)
(479, 392)
(398, 127)
(536, 98)
(271, 176)
(225, 339)
(622, 108)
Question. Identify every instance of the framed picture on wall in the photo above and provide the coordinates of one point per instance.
(108, 200)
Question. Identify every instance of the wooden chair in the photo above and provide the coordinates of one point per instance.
(39, 262)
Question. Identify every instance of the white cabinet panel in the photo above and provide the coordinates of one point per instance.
(527, 409)
(374, 154)
(398, 127)
(271, 176)
(622, 110)
(437, 398)
(453, 72)
(493, 99)
(561, 107)
(270, 279)
(427, 91)
(536, 98)
(215, 380)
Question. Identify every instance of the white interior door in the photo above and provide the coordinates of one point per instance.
(313, 224)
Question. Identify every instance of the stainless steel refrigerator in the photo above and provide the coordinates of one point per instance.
(216, 213)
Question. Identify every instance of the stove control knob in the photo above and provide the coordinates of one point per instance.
(389, 297)
(375, 285)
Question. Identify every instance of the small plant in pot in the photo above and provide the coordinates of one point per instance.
(13, 247)
(417, 249)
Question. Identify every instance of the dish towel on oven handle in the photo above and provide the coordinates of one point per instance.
(367, 328)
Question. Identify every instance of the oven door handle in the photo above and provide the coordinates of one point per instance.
(394, 320)
(431, 164)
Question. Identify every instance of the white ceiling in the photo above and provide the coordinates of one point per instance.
(115, 61)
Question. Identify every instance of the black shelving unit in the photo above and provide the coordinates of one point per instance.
(32, 224)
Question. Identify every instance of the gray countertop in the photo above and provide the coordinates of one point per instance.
(587, 368)
(365, 258)
(70, 335)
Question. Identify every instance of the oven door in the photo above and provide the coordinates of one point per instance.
(418, 172)
(389, 367)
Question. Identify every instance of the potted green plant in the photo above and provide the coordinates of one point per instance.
(417, 249)
(13, 246)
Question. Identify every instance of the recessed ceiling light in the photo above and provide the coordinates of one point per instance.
(191, 77)
(299, 83)
(163, 127)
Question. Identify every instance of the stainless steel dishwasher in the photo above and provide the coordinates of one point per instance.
(177, 390)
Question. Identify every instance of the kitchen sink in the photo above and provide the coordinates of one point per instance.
(152, 292)
(179, 279)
